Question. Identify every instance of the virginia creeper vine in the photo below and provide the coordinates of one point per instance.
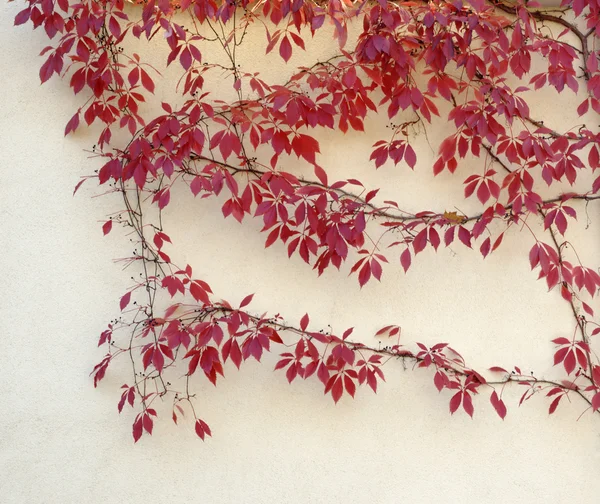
(466, 65)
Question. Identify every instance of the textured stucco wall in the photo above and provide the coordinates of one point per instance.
(61, 441)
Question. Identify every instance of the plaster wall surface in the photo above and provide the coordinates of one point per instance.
(61, 441)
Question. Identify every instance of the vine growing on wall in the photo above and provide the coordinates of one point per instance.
(469, 66)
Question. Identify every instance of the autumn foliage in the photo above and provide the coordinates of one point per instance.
(469, 65)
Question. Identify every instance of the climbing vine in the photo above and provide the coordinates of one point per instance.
(468, 67)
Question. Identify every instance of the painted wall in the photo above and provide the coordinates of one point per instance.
(61, 441)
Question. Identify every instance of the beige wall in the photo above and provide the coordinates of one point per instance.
(61, 441)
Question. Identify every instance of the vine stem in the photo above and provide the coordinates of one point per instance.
(377, 211)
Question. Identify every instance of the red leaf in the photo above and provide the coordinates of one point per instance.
(570, 362)
(485, 247)
(137, 429)
(122, 401)
(131, 396)
(498, 241)
(483, 193)
(72, 124)
(164, 198)
(205, 427)
(304, 322)
(468, 404)
(561, 223)
(125, 301)
(554, 404)
(464, 236)
(147, 358)
(376, 269)
(114, 27)
(282, 363)
(434, 238)
(106, 227)
(449, 235)
(583, 107)
(372, 380)
(185, 59)
(47, 69)
(455, 402)
(147, 82)
(594, 158)
(410, 157)
(199, 430)
(246, 301)
(350, 386)
(438, 381)
(420, 241)
(338, 389)
(405, 259)
(285, 49)
(22, 17)
(202, 429)
(364, 274)
(158, 359)
(321, 175)
(236, 354)
(79, 184)
(292, 372)
(273, 235)
(323, 374)
(498, 405)
(596, 401)
(198, 293)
